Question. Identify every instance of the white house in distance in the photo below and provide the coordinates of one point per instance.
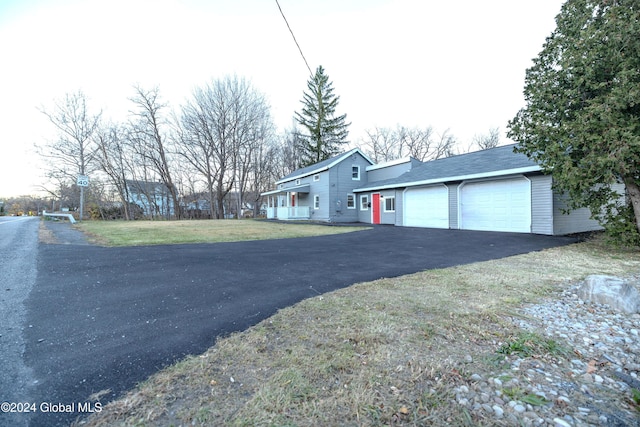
(491, 190)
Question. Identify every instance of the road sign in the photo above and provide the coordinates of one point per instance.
(83, 181)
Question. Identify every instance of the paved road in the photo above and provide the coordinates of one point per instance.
(102, 319)
(18, 248)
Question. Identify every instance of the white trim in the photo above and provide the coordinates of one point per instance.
(385, 204)
(366, 207)
(355, 201)
(358, 177)
(296, 189)
(316, 177)
(316, 198)
(491, 174)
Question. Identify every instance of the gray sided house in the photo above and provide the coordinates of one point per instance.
(152, 197)
(321, 192)
(489, 190)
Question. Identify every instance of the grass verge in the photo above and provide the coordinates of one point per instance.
(388, 352)
(141, 233)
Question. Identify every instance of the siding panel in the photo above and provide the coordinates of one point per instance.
(341, 183)
(388, 172)
(453, 205)
(541, 204)
(399, 207)
(364, 215)
(388, 217)
(575, 222)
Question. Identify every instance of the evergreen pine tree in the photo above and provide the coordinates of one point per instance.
(582, 115)
(324, 132)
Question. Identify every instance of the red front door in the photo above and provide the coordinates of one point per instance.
(375, 206)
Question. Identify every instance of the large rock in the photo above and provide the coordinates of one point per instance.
(613, 291)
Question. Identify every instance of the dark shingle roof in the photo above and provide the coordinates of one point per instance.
(486, 162)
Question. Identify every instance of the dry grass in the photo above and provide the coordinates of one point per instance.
(388, 352)
(45, 235)
(140, 233)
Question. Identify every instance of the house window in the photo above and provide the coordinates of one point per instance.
(355, 173)
(389, 204)
(316, 202)
(316, 178)
(351, 201)
(297, 182)
(364, 202)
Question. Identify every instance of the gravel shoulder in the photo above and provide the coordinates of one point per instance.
(61, 233)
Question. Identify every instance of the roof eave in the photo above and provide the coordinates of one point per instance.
(481, 175)
(302, 175)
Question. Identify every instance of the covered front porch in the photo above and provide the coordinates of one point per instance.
(288, 203)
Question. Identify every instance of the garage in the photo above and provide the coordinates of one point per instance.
(496, 205)
(427, 207)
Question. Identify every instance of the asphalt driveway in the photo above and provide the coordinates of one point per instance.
(103, 319)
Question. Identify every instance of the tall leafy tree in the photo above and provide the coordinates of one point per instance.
(324, 132)
(582, 114)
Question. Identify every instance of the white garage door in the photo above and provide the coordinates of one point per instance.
(427, 207)
(502, 205)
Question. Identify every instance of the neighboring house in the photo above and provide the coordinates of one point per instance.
(321, 192)
(198, 207)
(492, 190)
(153, 197)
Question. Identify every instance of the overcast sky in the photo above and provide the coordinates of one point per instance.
(456, 65)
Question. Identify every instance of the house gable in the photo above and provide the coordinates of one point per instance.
(323, 191)
(322, 166)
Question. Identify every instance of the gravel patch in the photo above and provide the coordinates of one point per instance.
(589, 384)
(61, 233)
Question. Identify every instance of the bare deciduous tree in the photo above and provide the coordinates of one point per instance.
(288, 153)
(222, 128)
(73, 152)
(115, 161)
(150, 139)
(444, 145)
(385, 144)
(489, 140)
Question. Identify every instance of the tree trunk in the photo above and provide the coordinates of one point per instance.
(634, 194)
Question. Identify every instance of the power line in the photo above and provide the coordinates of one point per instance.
(294, 39)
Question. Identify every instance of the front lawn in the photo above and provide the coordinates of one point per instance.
(141, 233)
(388, 352)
